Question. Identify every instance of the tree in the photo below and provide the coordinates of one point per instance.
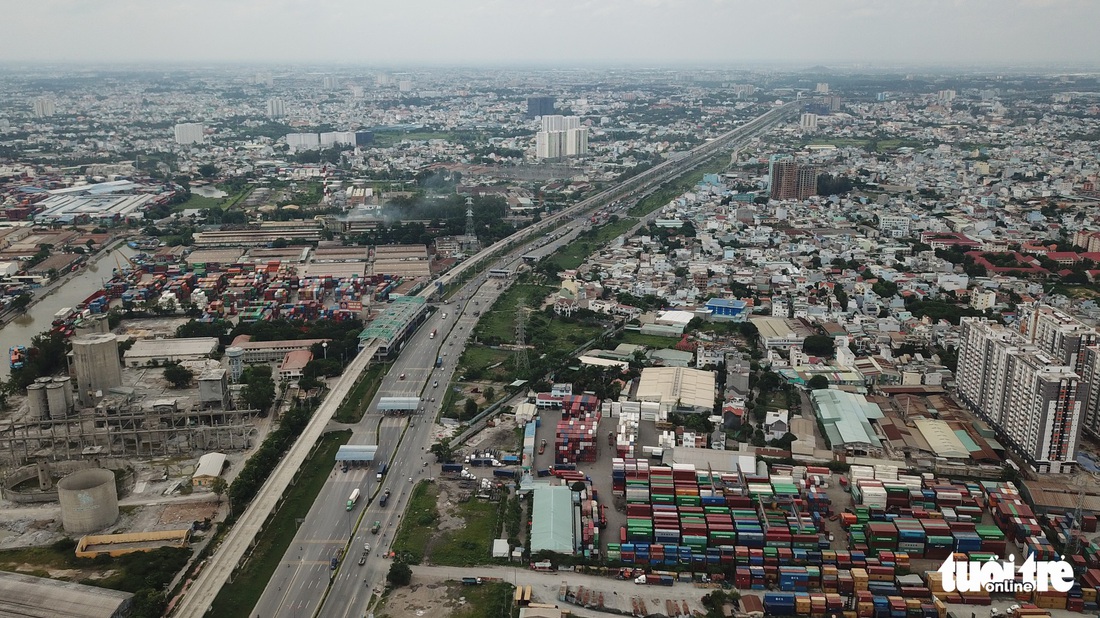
(442, 450)
(400, 574)
(208, 169)
(20, 303)
(490, 394)
(219, 487)
(818, 382)
(178, 376)
(470, 409)
(818, 345)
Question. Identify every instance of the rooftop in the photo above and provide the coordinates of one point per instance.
(552, 524)
(24, 595)
(846, 417)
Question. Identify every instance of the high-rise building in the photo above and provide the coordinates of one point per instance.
(540, 106)
(405, 85)
(329, 82)
(44, 108)
(946, 95)
(822, 88)
(561, 136)
(364, 138)
(303, 141)
(789, 180)
(189, 133)
(808, 122)
(337, 138)
(276, 108)
(1035, 402)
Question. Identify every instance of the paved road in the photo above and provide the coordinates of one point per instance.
(197, 601)
(299, 584)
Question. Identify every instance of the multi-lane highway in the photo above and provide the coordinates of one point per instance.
(299, 584)
(298, 588)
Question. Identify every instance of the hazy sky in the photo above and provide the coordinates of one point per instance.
(567, 32)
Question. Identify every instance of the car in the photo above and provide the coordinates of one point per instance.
(433, 399)
(366, 548)
(410, 479)
(435, 383)
(362, 560)
(401, 377)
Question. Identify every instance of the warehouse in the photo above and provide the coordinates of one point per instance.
(101, 209)
(24, 595)
(552, 520)
(162, 351)
(678, 389)
(209, 468)
(941, 439)
(845, 419)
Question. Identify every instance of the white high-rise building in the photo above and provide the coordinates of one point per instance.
(276, 108)
(1034, 399)
(822, 88)
(405, 85)
(44, 108)
(561, 136)
(303, 141)
(335, 138)
(189, 133)
(809, 122)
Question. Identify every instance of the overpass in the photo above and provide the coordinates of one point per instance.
(219, 567)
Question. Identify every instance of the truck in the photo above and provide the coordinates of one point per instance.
(510, 474)
(611, 438)
(381, 471)
(352, 498)
(432, 334)
(471, 581)
(452, 467)
(542, 446)
(384, 499)
(376, 527)
(654, 579)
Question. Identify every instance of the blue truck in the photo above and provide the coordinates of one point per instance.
(501, 472)
(452, 467)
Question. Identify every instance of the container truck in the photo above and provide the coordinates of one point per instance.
(452, 467)
(352, 498)
(511, 474)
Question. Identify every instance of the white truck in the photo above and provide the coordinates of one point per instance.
(352, 498)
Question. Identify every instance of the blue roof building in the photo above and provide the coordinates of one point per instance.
(726, 308)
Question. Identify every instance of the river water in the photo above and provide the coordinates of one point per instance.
(74, 290)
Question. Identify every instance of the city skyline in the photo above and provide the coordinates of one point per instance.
(659, 32)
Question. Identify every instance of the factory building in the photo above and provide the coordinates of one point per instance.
(95, 366)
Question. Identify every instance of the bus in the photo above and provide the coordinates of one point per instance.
(500, 273)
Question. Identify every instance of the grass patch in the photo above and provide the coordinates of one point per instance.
(470, 544)
(239, 597)
(201, 202)
(416, 527)
(677, 186)
(358, 400)
(476, 360)
(489, 599)
(655, 342)
(575, 253)
(498, 324)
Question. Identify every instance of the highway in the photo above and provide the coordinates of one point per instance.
(297, 589)
(299, 583)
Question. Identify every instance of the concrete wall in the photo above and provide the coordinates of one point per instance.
(25, 473)
(89, 500)
(92, 545)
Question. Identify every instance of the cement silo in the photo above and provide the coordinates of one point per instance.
(67, 382)
(96, 367)
(37, 403)
(55, 396)
(91, 325)
(235, 356)
(89, 500)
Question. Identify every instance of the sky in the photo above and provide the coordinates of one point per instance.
(871, 33)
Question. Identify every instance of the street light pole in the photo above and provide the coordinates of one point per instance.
(324, 346)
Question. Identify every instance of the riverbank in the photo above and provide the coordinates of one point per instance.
(43, 292)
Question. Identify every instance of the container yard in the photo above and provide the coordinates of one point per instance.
(241, 286)
(806, 540)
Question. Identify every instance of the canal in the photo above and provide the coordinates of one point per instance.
(70, 293)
